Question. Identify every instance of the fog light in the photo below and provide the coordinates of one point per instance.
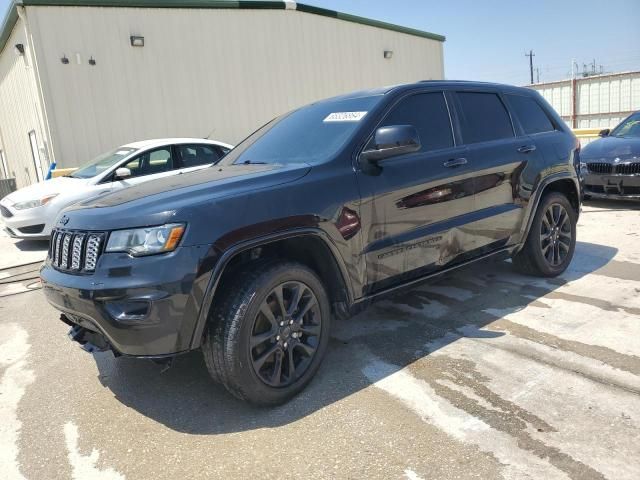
(128, 311)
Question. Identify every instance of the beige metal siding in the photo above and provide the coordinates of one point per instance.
(601, 102)
(20, 110)
(203, 69)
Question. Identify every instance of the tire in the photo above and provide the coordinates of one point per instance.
(240, 319)
(535, 257)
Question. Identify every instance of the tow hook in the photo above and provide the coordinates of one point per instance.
(89, 341)
(165, 363)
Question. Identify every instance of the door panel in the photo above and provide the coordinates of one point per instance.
(413, 211)
(498, 166)
(498, 157)
(416, 217)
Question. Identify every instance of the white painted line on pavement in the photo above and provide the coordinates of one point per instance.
(14, 348)
(418, 396)
(411, 475)
(84, 466)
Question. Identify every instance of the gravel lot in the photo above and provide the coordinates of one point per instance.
(485, 374)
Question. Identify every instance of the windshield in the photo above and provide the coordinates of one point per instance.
(311, 134)
(102, 162)
(629, 127)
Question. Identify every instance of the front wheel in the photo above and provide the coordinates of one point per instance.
(551, 242)
(267, 337)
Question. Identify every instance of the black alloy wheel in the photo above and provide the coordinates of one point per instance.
(551, 241)
(555, 234)
(269, 331)
(285, 334)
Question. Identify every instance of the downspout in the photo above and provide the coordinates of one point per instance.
(43, 120)
(574, 107)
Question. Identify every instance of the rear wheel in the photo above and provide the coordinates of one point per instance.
(267, 338)
(551, 242)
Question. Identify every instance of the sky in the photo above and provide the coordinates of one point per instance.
(487, 39)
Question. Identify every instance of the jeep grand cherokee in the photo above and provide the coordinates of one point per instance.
(311, 217)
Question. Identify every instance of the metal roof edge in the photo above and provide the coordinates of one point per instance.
(10, 20)
(12, 14)
(302, 7)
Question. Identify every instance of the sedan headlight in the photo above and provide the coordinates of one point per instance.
(146, 241)
(39, 202)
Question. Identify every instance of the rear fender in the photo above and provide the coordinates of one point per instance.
(543, 186)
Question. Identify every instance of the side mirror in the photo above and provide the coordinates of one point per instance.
(604, 133)
(392, 141)
(122, 173)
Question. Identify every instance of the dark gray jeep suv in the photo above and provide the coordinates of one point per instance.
(310, 218)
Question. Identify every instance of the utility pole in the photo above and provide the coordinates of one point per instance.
(537, 75)
(530, 55)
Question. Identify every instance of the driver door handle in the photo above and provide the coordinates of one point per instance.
(527, 148)
(455, 162)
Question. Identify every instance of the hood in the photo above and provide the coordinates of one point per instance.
(48, 187)
(610, 148)
(174, 198)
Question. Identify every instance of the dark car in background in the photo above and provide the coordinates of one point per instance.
(312, 217)
(611, 164)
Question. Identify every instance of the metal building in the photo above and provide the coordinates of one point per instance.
(79, 77)
(600, 101)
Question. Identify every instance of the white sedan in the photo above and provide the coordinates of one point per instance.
(31, 211)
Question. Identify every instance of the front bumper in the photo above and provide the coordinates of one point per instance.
(612, 186)
(32, 223)
(146, 306)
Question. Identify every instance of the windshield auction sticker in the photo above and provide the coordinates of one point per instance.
(345, 117)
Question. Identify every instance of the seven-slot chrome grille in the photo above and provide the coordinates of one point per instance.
(75, 251)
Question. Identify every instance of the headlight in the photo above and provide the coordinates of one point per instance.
(146, 241)
(34, 203)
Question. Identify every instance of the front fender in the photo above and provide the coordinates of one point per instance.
(231, 251)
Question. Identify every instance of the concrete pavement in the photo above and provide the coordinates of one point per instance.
(484, 374)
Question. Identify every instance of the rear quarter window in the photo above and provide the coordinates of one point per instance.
(530, 114)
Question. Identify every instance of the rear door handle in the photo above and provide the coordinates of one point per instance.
(527, 149)
(455, 162)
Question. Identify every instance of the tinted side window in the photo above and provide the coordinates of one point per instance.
(483, 117)
(148, 163)
(530, 113)
(195, 155)
(428, 113)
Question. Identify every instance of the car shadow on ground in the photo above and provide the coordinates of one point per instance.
(615, 205)
(32, 245)
(395, 333)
